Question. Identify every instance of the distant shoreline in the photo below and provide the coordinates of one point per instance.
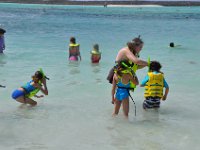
(106, 3)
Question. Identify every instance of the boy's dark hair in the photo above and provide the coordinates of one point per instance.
(2, 31)
(96, 47)
(155, 66)
(73, 40)
(171, 44)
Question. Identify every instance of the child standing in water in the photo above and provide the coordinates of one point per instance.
(24, 93)
(74, 51)
(120, 87)
(154, 82)
(95, 54)
(2, 41)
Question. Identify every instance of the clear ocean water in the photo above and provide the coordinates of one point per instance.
(77, 113)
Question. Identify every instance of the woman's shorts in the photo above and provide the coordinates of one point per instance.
(17, 93)
(151, 102)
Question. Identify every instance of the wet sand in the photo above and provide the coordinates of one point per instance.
(106, 3)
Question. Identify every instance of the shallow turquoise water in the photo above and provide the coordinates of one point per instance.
(77, 113)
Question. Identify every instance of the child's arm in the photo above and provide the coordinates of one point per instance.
(166, 90)
(113, 88)
(4, 46)
(38, 96)
(144, 81)
(44, 89)
(166, 93)
(79, 54)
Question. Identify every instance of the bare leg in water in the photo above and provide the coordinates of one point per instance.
(26, 100)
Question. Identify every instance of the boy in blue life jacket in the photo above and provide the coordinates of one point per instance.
(154, 82)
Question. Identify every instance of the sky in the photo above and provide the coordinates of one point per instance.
(139, 0)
